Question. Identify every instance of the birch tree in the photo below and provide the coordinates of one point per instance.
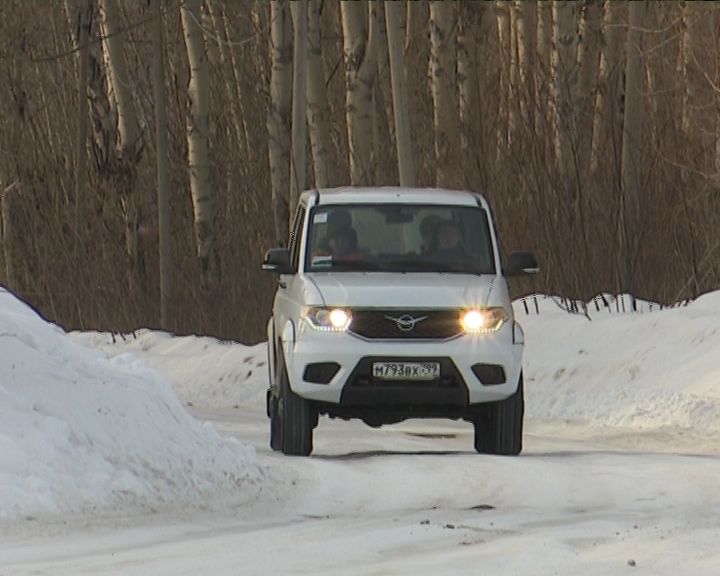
(121, 169)
(299, 105)
(318, 108)
(278, 120)
(443, 61)
(359, 22)
(406, 164)
(85, 15)
(632, 147)
(163, 169)
(201, 188)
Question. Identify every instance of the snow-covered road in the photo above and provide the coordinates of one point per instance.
(620, 472)
(414, 499)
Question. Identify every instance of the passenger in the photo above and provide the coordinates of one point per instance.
(448, 241)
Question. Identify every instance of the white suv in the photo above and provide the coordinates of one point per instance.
(392, 304)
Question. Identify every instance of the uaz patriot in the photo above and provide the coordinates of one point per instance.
(393, 304)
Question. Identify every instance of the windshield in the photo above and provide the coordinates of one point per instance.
(399, 238)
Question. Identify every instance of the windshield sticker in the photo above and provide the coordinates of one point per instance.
(320, 218)
(322, 260)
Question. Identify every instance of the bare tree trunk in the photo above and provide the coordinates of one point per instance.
(298, 158)
(545, 114)
(416, 59)
(163, 169)
(588, 64)
(228, 75)
(318, 108)
(8, 235)
(243, 100)
(128, 124)
(443, 59)
(121, 169)
(476, 32)
(632, 148)
(698, 98)
(203, 193)
(514, 88)
(406, 164)
(608, 124)
(502, 12)
(278, 120)
(360, 68)
(85, 14)
(526, 42)
(565, 72)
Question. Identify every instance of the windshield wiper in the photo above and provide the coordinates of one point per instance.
(424, 266)
(355, 265)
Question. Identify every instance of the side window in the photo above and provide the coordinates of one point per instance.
(295, 236)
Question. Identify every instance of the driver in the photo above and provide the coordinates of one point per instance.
(343, 243)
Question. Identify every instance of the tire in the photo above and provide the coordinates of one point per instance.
(499, 431)
(275, 425)
(297, 419)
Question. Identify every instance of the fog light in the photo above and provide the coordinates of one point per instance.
(489, 374)
(321, 372)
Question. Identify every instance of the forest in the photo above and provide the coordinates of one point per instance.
(152, 150)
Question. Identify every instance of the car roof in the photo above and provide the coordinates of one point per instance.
(394, 195)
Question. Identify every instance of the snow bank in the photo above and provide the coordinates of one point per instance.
(82, 433)
(647, 370)
(204, 372)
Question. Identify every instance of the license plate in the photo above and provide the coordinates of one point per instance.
(406, 370)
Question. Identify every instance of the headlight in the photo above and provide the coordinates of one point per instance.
(483, 320)
(328, 319)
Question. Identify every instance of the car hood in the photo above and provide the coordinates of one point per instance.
(421, 290)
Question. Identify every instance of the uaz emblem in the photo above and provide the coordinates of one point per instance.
(406, 323)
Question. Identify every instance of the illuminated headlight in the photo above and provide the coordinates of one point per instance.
(483, 320)
(328, 319)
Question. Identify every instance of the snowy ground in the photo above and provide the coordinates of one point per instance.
(103, 471)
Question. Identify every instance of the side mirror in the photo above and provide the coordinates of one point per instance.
(277, 260)
(521, 264)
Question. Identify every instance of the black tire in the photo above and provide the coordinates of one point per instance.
(500, 429)
(297, 419)
(275, 425)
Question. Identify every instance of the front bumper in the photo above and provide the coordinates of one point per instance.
(352, 354)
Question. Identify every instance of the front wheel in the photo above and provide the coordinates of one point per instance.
(499, 431)
(275, 423)
(295, 419)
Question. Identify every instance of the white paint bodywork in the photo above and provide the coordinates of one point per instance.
(302, 345)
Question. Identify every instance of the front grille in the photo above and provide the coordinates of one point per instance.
(401, 324)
